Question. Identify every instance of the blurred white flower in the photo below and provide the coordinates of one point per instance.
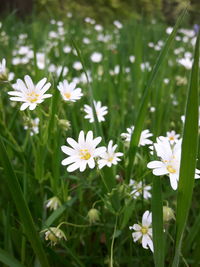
(173, 137)
(109, 157)
(77, 65)
(67, 49)
(29, 93)
(69, 91)
(82, 152)
(40, 58)
(101, 111)
(3, 71)
(132, 58)
(32, 125)
(186, 62)
(138, 189)
(118, 24)
(143, 231)
(144, 137)
(96, 57)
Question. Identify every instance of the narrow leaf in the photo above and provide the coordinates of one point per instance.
(188, 156)
(21, 206)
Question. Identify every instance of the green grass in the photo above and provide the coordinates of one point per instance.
(30, 166)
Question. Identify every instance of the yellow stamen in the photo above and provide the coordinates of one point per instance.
(67, 95)
(171, 169)
(32, 97)
(144, 230)
(84, 153)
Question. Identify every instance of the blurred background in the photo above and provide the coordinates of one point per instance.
(105, 10)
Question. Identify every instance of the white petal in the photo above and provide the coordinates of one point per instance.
(173, 181)
(24, 106)
(41, 83)
(29, 82)
(67, 150)
(160, 171)
(73, 167)
(155, 164)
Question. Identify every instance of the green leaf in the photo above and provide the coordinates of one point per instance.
(145, 99)
(157, 222)
(54, 216)
(21, 206)
(188, 156)
(8, 259)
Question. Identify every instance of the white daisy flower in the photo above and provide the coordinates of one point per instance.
(109, 157)
(170, 161)
(144, 137)
(3, 70)
(77, 65)
(29, 93)
(101, 111)
(173, 137)
(138, 189)
(69, 91)
(143, 231)
(82, 152)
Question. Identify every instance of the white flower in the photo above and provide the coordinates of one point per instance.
(40, 57)
(29, 93)
(96, 57)
(173, 137)
(53, 203)
(69, 91)
(170, 161)
(132, 58)
(144, 137)
(138, 189)
(82, 152)
(77, 65)
(143, 232)
(101, 111)
(109, 157)
(186, 62)
(32, 125)
(3, 71)
(118, 24)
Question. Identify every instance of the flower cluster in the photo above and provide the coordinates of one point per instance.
(169, 163)
(85, 151)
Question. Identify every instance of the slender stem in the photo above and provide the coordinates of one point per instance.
(112, 243)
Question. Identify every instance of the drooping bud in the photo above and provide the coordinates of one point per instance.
(93, 215)
(168, 214)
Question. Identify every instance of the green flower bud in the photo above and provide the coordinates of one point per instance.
(168, 214)
(93, 215)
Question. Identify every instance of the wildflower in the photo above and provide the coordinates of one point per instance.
(32, 125)
(54, 234)
(64, 124)
(96, 57)
(69, 91)
(118, 24)
(138, 189)
(29, 93)
(173, 137)
(53, 203)
(109, 157)
(3, 71)
(93, 215)
(132, 58)
(170, 161)
(186, 62)
(82, 152)
(101, 111)
(144, 137)
(77, 65)
(168, 214)
(143, 231)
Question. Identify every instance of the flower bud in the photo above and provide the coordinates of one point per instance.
(53, 203)
(54, 234)
(168, 214)
(3, 71)
(93, 215)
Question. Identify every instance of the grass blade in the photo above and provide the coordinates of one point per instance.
(188, 156)
(8, 259)
(145, 99)
(21, 206)
(157, 221)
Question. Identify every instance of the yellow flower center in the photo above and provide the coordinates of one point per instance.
(110, 159)
(144, 230)
(67, 95)
(171, 169)
(84, 154)
(171, 138)
(32, 97)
